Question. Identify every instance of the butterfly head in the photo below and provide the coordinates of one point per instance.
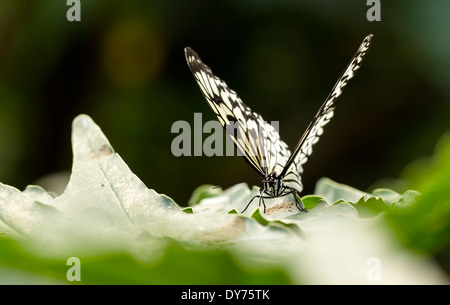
(273, 185)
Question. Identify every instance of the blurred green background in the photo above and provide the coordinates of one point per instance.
(124, 65)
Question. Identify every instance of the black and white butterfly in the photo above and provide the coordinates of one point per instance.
(257, 141)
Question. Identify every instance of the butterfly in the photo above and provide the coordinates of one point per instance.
(259, 142)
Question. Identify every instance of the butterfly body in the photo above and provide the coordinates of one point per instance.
(273, 185)
(259, 142)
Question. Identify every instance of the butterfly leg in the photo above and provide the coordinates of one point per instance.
(298, 201)
(261, 199)
(248, 204)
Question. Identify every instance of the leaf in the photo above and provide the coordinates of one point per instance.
(311, 201)
(202, 192)
(124, 232)
(22, 214)
(369, 206)
(406, 200)
(388, 196)
(188, 210)
(332, 191)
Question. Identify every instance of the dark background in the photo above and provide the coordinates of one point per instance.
(124, 65)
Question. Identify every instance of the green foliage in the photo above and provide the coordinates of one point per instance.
(425, 226)
(178, 266)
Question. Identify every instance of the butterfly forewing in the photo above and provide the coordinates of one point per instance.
(256, 140)
(303, 150)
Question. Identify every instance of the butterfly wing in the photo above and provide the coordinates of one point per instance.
(293, 169)
(256, 140)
